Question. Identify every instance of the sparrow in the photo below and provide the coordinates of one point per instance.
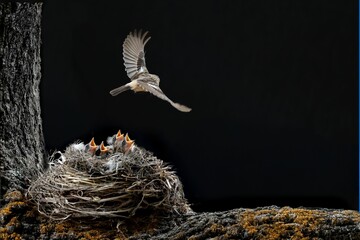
(135, 67)
(116, 140)
(104, 149)
(91, 147)
(128, 145)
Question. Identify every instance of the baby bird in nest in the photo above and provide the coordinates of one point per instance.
(141, 79)
(116, 143)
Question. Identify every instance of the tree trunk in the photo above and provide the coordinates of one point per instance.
(21, 136)
(22, 156)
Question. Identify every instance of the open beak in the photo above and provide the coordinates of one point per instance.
(129, 144)
(103, 149)
(119, 136)
(92, 145)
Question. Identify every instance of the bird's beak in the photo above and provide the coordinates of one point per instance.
(92, 145)
(103, 149)
(128, 143)
(119, 136)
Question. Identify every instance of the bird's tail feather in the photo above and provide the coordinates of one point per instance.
(119, 90)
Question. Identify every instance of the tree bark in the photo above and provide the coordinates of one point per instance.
(21, 137)
(19, 219)
(22, 156)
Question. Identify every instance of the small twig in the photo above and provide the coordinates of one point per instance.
(85, 186)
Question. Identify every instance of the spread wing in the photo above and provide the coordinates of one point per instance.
(133, 53)
(154, 89)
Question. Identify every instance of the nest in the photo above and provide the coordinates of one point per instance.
(113, 181)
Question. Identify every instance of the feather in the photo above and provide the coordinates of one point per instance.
(133, 52)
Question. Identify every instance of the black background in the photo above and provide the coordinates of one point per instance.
(273, 87)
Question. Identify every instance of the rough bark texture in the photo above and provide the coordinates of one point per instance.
(20, 220)
(22, 155)
(21, 137)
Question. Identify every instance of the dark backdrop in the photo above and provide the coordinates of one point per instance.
(273, 87)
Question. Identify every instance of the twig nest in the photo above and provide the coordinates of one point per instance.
(107, 181)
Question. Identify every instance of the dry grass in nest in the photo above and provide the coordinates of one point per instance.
(80, 184)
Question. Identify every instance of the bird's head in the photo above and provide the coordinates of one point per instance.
(156, 78)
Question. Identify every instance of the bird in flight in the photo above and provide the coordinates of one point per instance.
(135, 67)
